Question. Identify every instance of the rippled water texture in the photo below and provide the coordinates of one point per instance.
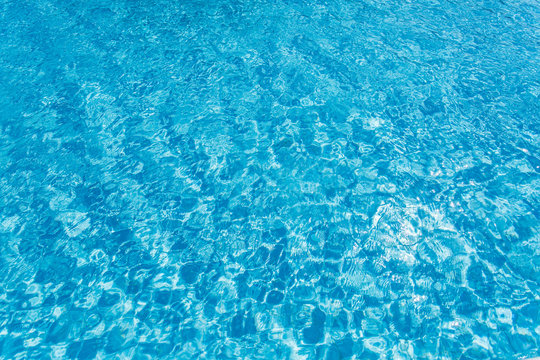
(269, 179)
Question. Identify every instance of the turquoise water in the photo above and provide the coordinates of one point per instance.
(269, 179)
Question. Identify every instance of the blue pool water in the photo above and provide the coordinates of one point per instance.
(330, 179)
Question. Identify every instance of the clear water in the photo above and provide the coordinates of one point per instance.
(269, 179)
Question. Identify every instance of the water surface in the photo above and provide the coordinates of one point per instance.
(269, 179)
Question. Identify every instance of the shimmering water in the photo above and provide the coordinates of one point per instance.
(269, 179)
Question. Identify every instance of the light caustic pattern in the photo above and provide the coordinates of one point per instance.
(269, 179)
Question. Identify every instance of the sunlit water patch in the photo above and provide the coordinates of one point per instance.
(269, 180)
